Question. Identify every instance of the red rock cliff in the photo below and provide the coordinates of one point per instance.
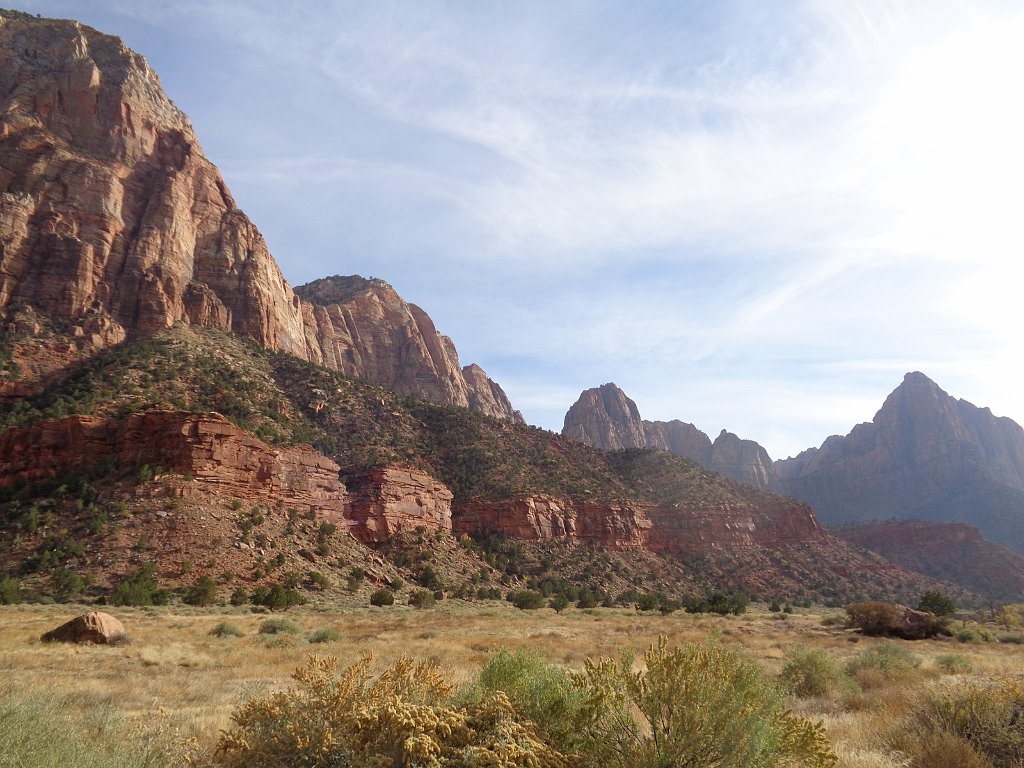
(113, 220)
(206, 446)
(397, 499)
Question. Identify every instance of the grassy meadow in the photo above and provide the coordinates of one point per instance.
(172, 690)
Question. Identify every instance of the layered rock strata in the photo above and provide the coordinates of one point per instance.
(113, 221)
(395, 500)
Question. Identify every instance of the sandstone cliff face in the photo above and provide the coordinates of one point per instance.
(616, 526)
(605, 418)
(396, 499)
(112, 220)
(925, 455)
(206, 447)
(952, 552)
(664, 528)
(742, 460)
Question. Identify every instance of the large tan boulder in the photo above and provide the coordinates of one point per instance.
(96, 627)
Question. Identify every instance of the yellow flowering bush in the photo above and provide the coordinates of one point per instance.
(334, 718)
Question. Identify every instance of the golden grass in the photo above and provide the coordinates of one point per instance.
(175, 666)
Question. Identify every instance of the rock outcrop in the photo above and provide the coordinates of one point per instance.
(206, 447)
(664, 528)
(606, 418)
(616, 526)
(395, 500)
(952, 552)
(112, 221)
(925, 455)
(97, 627)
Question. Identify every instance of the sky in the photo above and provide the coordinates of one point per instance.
(752, 216)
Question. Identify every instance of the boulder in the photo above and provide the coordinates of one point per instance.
(96, 627)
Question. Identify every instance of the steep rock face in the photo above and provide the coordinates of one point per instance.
(206, 447)
(487, 397)
(687, 528)
(680, 438)
(113, 221)
(925, 455)
(605, 418)
(953, 552)
(396, 499)
(616, 526)
(664, 528)
(742, 460)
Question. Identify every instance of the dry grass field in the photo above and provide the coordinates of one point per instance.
(177, 681)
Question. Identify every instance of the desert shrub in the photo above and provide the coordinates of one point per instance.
(537, 689)
(352, 717)
(953, 663)
(10, 591)
(140, 588)
(526, 599)
(279, 627)
(225, 629)
(1012, 638)
(41, 731)
(968, 635)
(559, 603)
(697, 704)
(937, 603)
(317, 580)
(422, 598)
(240, 596)
(276, 597)
(874, 618)
(382, 597)
(202, 592)
(809, 672)
(355, 579)
(983, 717)
(883, 663)
(325, 636)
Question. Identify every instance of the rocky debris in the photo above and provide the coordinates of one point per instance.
(952, 552)
(924, 455)
(96, 627)
(112, 221)
(395, 500)
(605, 418)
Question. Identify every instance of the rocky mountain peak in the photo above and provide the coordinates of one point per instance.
(114, 223)
(605, 418)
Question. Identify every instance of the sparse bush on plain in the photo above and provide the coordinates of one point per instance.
(883, 663)
(979, 718)
(225, 629)
(202, 592)
(422, 598)
(938, 603)
(953, 664)
(526, 599)
(324, 636)
(697, 704)
(279, 627)
(10, 591)
(140, 588)
(382, 597)
(537, 689)
(809, 672)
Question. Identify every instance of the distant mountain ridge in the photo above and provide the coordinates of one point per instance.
(925, 455)
(606, 418)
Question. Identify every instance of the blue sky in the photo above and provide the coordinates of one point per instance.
(748, 215)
